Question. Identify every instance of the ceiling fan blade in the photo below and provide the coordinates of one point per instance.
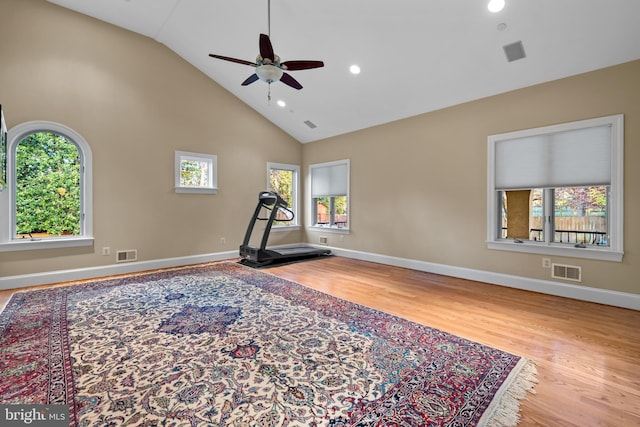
(302, 65)
(252, 78)
(266, 49)
(238, 61)
(290, 81)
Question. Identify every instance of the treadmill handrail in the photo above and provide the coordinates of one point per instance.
(270, 200)
(252, 223)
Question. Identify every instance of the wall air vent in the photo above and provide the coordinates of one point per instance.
(567, 272)
(127, 256)
(514, 51)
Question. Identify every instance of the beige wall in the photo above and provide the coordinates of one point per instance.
(418, 186)
(135, 102)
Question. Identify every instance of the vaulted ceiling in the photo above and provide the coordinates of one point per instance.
(415, 56)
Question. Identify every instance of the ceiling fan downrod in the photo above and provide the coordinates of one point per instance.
(268, 66)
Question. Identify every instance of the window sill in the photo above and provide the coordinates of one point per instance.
(603, 254)
(277, 228)
(329, 229)
(60, 242)
(194, 190)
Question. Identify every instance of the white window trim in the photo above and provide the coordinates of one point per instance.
(311, 219)
(198, 157)
(295, 224)
(8, 198)
(3, 150)
(616, 203)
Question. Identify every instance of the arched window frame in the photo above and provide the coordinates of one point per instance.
(8, 242)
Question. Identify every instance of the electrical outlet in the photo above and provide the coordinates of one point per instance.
(546, 262)
(324, 240)
(223, 241)
(106, 251)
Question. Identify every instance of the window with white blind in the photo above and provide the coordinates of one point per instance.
(557, 190)
(329, 188)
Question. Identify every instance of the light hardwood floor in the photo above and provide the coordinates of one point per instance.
(587, 355)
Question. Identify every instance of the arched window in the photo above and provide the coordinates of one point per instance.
(48, 201)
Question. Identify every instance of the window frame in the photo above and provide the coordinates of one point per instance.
(295, 169)
(313, 207)
(615, 207)
(210, 159)
(8, 241)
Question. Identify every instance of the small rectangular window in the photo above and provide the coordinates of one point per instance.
(196, 173)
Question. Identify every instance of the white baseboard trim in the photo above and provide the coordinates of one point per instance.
(57, 276)
(49, 277)
(583, 293)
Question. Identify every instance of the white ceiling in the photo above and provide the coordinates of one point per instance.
(416, 56)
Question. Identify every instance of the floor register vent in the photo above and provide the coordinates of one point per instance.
(126, 256)
(567, 272)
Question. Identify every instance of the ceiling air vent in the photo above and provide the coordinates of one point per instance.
(514, 51)
(567, 272)
(310, 124)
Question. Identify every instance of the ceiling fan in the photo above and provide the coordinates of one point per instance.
(268, 65)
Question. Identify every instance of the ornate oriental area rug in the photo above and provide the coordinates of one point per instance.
(226, 345)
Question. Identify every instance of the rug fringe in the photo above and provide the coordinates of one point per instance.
(506, 412)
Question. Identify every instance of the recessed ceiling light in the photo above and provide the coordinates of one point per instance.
(354, 69)
(281, 103)
(495, 5)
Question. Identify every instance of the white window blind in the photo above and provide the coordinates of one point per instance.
(563, 159)
(330, 179)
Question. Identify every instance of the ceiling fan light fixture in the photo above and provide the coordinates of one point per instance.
(269, 73)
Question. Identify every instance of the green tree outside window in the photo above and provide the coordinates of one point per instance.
(47, 185)
(281, 181)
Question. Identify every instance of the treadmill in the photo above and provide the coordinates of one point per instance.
(260, 257)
